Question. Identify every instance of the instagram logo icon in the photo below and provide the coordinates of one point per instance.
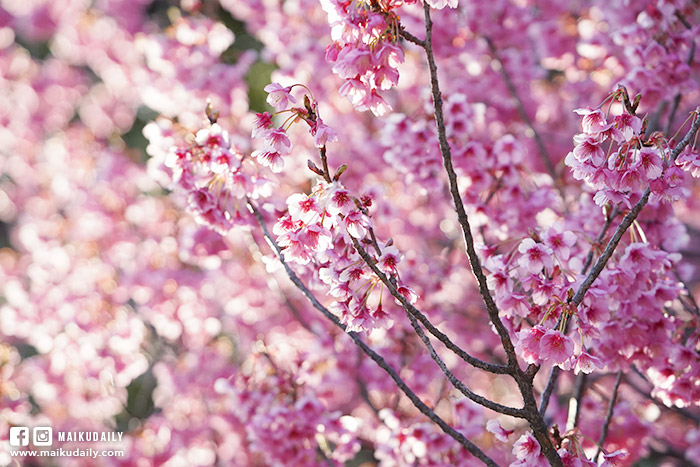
(43, 436)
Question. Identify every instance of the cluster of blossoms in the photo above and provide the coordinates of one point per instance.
(617, 160)
(364, 51)
(320, 229)
(213, 174)
(622, 320)
(534, 282)
(280, 417)
(120, 313)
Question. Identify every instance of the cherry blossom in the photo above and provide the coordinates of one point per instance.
(209, 245)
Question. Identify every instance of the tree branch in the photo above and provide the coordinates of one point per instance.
(412, 310)
(523, 380)
(608, 220)
(411, 38)
(446, 153)
(419, 404)
(608, 416)
(459, 385)
(677, 99)
(547, 393)
(542, 150)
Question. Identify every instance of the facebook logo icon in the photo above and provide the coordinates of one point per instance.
(19, 436)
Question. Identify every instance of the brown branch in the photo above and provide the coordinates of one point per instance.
(601, 235)
(362, 386)
(412, 310)
(459, 385)
(608, 416)
(446, 153)
(378, 359)
(523, 380)
(549, 388)
(411, 38)
(542, 150)
(691, 55)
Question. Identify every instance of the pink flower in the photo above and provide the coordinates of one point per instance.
(689, 161)
(389, 260)
(587, 149)
(285, 224)
(586, 363)
(279, 97)
(316, 237)
(628, 125)
(559, 241)
(638, 257)
(355, 90)
(352, 62)
(528, 344)
(526, 448)
(500, 433)
(352, 273)
(356, 224)
(222, 162)
(535, 256)
(262, 122)
(377, 104)
(556, 346)
(339, 200)
(213, 137)
(593, 121)
(323, 134)
(201, 200)
(295, 248)
(650, 163)
(360, 318)
(303, 208)
(268, 157)
(408, 293)
(278, 140)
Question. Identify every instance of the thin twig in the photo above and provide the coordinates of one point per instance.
(601, 235)
(575, 402)
(295, 312)
(446, 153)
(677, 99)
(411, 38)
(412, 310)
(362, 387)
(542, 150)
(378, 359)
(459, 385)
(608, 416)
(523, 380)
(547, 393)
